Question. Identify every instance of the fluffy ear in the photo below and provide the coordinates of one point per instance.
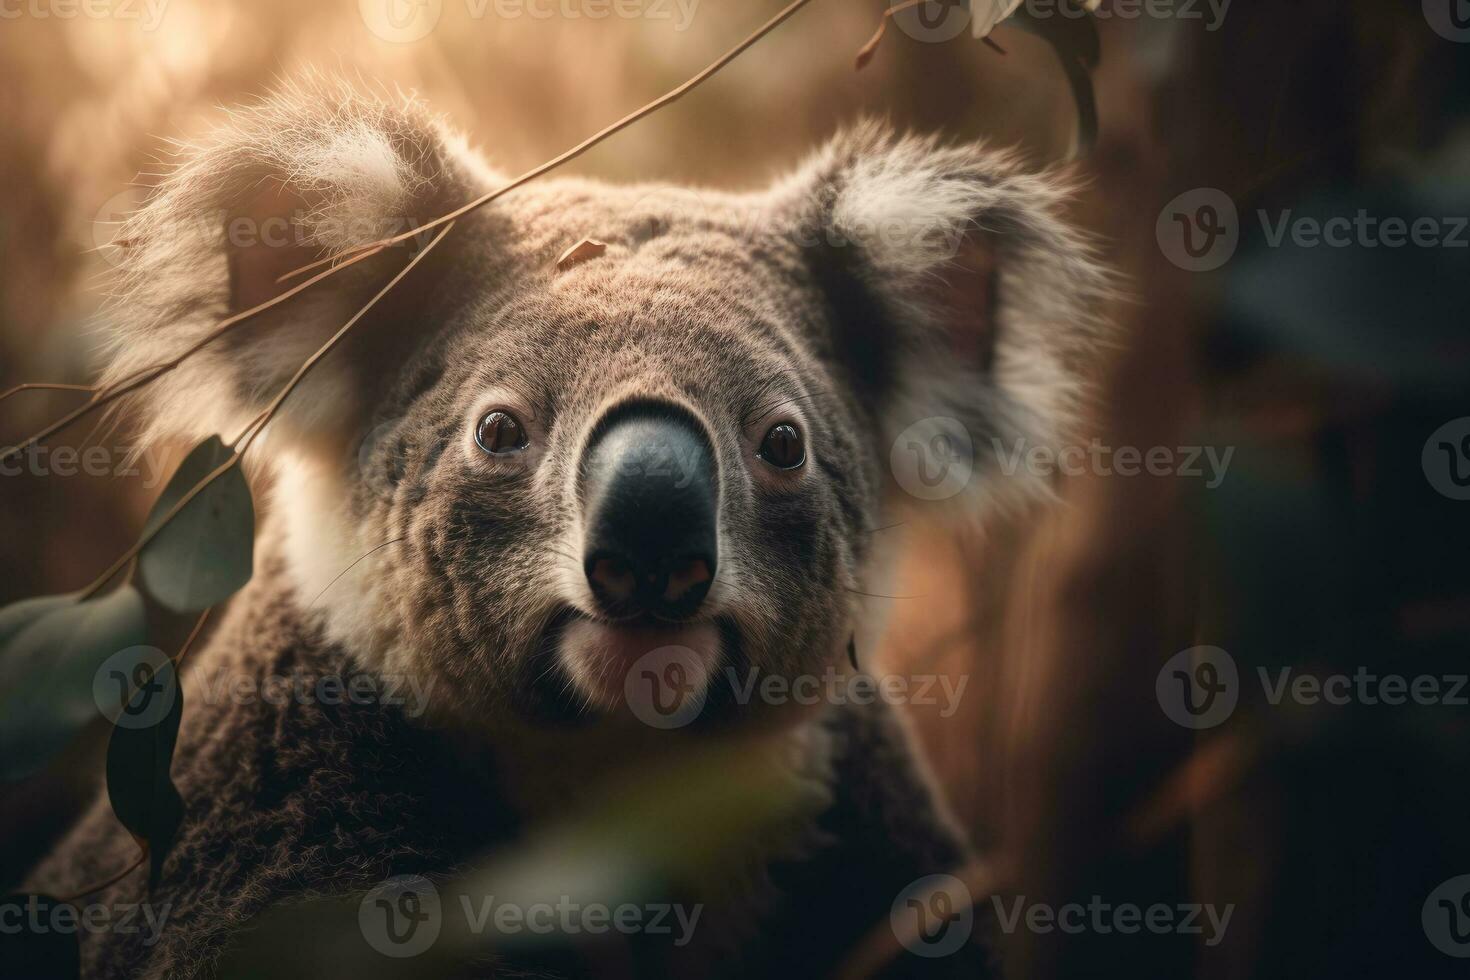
(310, 172)
(966, 309)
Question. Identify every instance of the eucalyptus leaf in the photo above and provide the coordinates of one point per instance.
(205, 553)
(17, 616)
(48, 667)
(639, 841)
(39, 941)
(140, 755)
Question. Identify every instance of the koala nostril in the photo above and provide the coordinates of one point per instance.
(688, 579)
(613, 578)
(651, 493)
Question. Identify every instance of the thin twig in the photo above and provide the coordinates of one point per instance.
(349, 568)
(582, 147)
(137, 863)
(261, 420)
(146, 375)
(44, 386)
(152, 532)
(193, 635)
(352, 256)
(242, 443)
(866, 52)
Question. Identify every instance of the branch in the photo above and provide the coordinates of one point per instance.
(44, 386)
(671, 96)
(341, 261)
(138, 379)
(137, 863)
(242, 442)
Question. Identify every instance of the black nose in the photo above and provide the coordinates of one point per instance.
(650, 496)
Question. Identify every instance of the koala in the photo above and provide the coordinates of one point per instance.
(595, 434)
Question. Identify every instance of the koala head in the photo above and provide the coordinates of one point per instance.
(679, 437)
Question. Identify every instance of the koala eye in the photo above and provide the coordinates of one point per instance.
(499, 434)
(782, 447)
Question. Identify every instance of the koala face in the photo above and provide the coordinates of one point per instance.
(677, 445)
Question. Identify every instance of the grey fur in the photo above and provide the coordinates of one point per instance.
(826, 299)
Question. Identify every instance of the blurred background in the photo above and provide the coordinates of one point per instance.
(1336, 376)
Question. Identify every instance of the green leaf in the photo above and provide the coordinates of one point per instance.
(205, 553)
(39, 941)
(1077, 45)
(18, 616)
(141, 752)
(47, 670)
(647, 837)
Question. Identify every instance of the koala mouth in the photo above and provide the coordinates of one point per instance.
(605, 661)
